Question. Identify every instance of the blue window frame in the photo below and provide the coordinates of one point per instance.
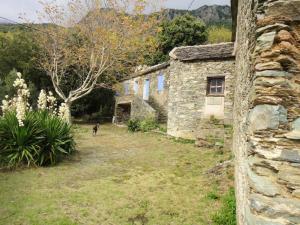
(136, 87)
(146, 93)
(160, 82)
(126, 88)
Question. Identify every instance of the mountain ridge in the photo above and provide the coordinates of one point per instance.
(210, 14)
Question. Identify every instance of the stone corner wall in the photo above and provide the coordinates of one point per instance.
(267, 112)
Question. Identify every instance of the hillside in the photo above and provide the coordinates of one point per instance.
(214, 14)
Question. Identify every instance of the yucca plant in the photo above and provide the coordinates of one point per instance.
(57, 138)
(19, 144)
(43, 140)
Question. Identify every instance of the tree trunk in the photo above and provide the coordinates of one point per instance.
(68, 115)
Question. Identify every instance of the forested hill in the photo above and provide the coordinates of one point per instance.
(211, 15)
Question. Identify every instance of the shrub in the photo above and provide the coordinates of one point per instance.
(57, 138)
(43, 140)
(227, 214)
(145, 125)
(28, 137)
(163, 129)
(134, 125)
(218, 34)
(19, 144)
(148, 125)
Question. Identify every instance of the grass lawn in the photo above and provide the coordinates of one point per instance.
(118, 178)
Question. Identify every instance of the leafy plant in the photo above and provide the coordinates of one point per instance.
(218, 34)
(43, 140)
(227, 214)
(19, 144)
(181, 31)
(57, 138)
(145, 125)
(163, 129)
(148, 125)
(134, 125)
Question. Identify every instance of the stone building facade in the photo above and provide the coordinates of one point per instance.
(144, 94)
(197, 84)
(267, 112)
(194, 72)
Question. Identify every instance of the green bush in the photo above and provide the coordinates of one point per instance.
(218, 34)
(19, 144)
(148, 125)
(134, 125)
(227, 214)
(57, 139)
(43, 140)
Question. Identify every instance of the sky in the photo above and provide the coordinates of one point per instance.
(12, 9)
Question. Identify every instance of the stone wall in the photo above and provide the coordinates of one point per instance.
(158, 100)
(267, 112)
(188, 93)
(139, 109)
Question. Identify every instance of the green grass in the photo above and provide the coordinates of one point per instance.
(226, 215)
(117, 178)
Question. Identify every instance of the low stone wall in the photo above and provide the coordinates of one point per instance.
(214, 133)
(267, 112)
(142, 110)
(139, 109)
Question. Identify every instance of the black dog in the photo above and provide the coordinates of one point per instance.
(95, 129)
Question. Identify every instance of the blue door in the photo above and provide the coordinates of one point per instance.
(146, 89)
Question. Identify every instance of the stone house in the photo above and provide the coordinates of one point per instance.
(201, 86)
(195, 85)
(144, 94)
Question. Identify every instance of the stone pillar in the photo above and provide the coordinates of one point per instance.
(267, 112)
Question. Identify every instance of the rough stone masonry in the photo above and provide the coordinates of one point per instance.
(267, 112)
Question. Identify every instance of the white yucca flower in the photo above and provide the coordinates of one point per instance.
(52, 103)
(42, 100)
(18, 103)
(21, 110)
(64, 112)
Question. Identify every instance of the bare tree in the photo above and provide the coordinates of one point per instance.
(90, 41)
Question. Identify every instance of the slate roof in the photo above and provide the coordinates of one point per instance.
(203, 52)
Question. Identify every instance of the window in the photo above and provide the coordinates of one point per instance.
(126, 88)
(146, 92)
(136, 87)
(160, 82)
(215, 85)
